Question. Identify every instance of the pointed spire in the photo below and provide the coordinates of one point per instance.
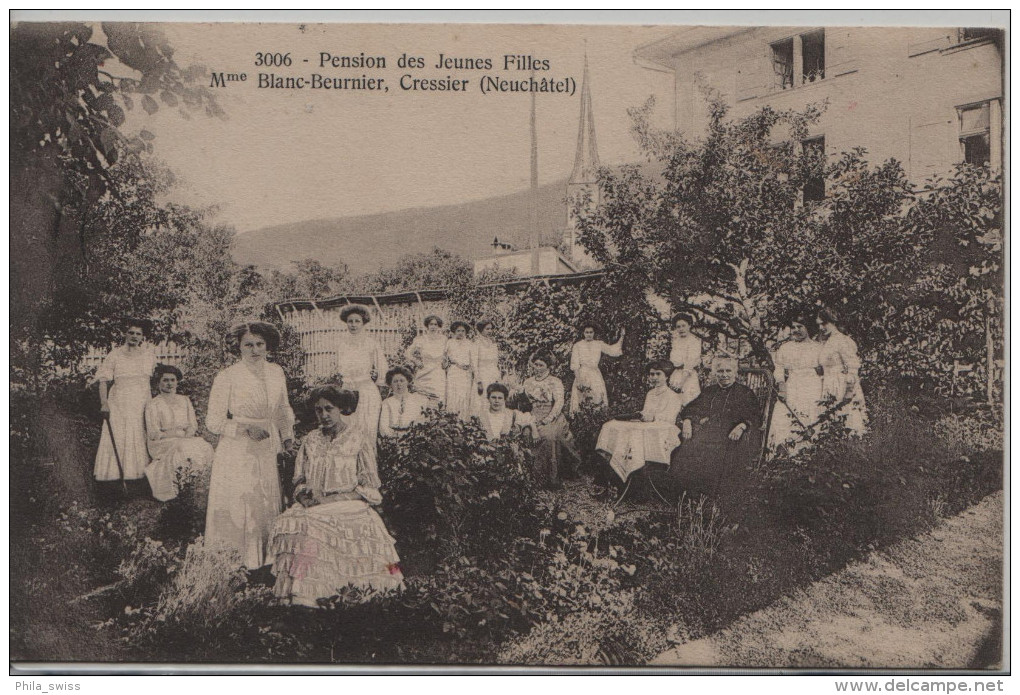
(586, 159)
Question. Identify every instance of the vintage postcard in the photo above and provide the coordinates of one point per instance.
(506, 345)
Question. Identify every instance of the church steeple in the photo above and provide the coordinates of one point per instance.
(586, 158)
(583, 182)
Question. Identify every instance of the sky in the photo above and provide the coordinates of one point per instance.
(290, 155)
(285, 156)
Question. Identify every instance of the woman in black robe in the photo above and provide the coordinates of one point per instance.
(721, 431)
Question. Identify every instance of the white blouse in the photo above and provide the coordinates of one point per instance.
(399, 414)
(587, 353)
(239, 392)
(662, 404)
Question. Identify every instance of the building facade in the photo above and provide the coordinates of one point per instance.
(928, 97)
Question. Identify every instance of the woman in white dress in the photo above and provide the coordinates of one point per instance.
(404, 408)
(631, 441)
(332, 538)
(685, 354)
(248, 409)
(799, 386)
(589, 386)
(427, 351)
(129, 368)
(484, 364)
(170, 426)
(841, 374)
(459, 381)
(361, 361)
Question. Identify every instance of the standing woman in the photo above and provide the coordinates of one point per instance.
(589, 386)
(484, 364)
(459, 383)
(427, 350)
(360, 361)
(685, 354)
(554, 446)
(799, 386)
(841, 373)
(170, 425)
(248, 408)
(129, 367)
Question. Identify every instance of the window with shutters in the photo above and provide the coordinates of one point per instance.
(975, 133)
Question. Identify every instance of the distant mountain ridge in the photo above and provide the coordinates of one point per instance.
(367, 243)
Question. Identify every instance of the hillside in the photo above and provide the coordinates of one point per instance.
(368, 242)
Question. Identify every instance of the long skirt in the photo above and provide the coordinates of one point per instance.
(320, 550)
(369, 406)
(430, 382)
(127, 399)
(712, 465)
(458, 390)
(244, 495)
(855, 411)
(554, 450)
(589, 387)
(685, 382)
(800, 411)
(171, 455)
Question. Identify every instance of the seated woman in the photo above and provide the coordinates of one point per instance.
(331, 538)
(648, 436)
(555, 446)
(403, 408)
(498, 420)
(721, 432)
(170, 427)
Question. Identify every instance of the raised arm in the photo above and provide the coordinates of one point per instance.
(616, 349)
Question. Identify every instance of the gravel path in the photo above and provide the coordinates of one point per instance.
(932, 601)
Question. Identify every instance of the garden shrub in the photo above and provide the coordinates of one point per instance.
(449, 492)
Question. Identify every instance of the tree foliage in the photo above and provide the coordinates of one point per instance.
(724, 230)
(72, 161)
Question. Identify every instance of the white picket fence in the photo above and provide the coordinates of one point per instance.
(166, 353)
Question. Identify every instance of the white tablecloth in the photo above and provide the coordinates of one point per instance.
(631, 444)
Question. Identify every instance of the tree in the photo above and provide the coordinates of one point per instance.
(724, 231)
(66, 138)
(435, 269)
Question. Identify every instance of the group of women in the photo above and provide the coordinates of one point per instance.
(818, 379)
(332, 537)
(142, 436)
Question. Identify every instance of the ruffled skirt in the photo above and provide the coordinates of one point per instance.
(322, 549)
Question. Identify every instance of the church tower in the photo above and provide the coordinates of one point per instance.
(583, 182)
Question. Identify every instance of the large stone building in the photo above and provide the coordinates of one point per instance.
(928, 97)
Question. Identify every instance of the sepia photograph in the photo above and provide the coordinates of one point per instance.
(509, 345)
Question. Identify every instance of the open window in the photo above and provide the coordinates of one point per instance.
(798, 60)
(813, 51)
(975, 133)
(782, 63)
